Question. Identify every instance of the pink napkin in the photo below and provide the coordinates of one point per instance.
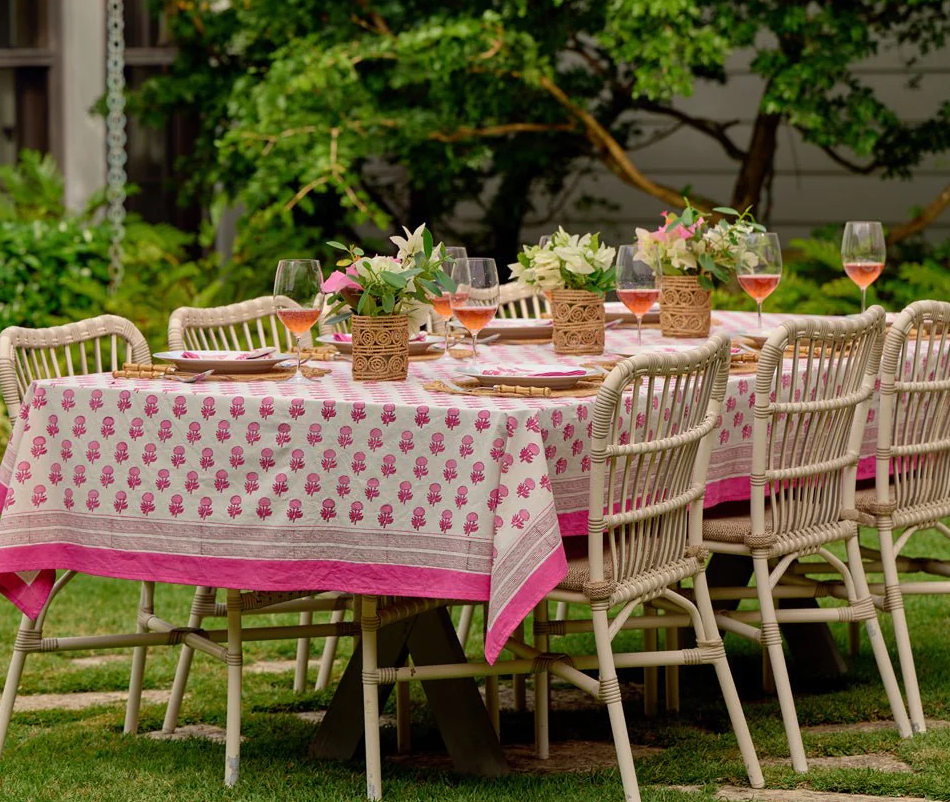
(348, 338)
(228, 355)
(533, 373)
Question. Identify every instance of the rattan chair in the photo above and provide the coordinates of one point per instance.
(650, 479)
(246, 325)
(517, 301)
(95, 345)
(813, 387)
(912, 484)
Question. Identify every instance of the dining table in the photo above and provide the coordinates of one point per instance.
(382, 488)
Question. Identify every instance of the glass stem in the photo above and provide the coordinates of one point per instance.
(474, 352)
(864, 298)
(299, 374)
(639, 330)
(759, 307)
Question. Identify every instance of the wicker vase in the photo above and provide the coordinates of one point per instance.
(578, 322)
(380, 348)
(684, 307)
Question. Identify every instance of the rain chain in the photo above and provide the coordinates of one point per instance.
(115, 135)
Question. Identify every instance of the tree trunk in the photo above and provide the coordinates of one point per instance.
(758, 164)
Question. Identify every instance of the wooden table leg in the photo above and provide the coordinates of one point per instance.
(456, 704)
(813, 644)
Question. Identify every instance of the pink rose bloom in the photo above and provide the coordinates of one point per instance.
(341, 281)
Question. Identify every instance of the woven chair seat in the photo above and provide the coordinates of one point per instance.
(578, 568)
(732, 528)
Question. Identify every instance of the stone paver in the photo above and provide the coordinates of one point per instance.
(205, 732)
(80, 701)
(869, 726)
(272, 666)
(99, 660)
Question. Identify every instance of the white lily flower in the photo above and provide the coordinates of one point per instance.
(410, 245)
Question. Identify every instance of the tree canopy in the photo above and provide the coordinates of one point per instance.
(307, 106)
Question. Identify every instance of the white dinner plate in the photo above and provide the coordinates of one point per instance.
(219, 362)
(490, 375)
(617, 310)
(416, 347)
(756, 337)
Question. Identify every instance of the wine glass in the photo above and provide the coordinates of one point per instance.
(638, 285)
(442, 304)
(759, 266)
(863, 253)
(475, 300)
(299, 281)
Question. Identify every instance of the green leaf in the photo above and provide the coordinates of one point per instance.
(427, 242)
(725, 210)
(338, 245)
(431, 286)
(394, 280)
(361, 306)
(446, 281)
(704, 281)
(388, 303)
(706, 261)
(340, 318)
(344, 262)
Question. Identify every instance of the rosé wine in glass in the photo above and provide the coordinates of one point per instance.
(638, 285)
(475, 300)
(759, 266)
(863, 253)
(299, 298)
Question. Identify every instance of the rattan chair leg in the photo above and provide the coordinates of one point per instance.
(772, 641)
(518, 680)
(329, 653)
(894, 604)
(139, 653)
(465, 623)
(727, 683)
(872, 625)
(650, 674)
(542, 690)
(610, 693)
(303, 654)
(560, 611)
(235, 659)
(184, 665)
(14, 674)
(369, 623)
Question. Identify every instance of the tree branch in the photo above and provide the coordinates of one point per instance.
(922, 220)
(379, 24)
(499, 130)
(615, 156)
(717, 130)
(862, 169)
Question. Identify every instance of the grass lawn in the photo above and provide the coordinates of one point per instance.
(82, 755)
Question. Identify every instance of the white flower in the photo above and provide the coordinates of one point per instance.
(604, 257)
(410, 245)
(575, 259)
(546, 260)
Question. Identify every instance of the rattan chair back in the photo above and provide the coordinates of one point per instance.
(93, 345)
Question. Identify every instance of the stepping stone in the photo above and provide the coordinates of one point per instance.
(317, 716)
(869, 726)
(271, 667)
(205, 732)
(875, 762)
(80, 701)
(729, 793)
(99, 660)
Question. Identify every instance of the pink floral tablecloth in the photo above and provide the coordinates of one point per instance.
(381, 488)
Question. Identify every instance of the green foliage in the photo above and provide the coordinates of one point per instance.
(306, 106)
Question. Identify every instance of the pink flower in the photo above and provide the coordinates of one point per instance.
(341, 280)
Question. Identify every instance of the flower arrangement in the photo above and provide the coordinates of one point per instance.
(687, 245)
(567, 262)
(376, 286)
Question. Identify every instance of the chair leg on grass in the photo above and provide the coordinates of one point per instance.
(26, 632)
(727, 683)
(303, 654)
(369, 624)
(542, 690)
(610, 694)
(139, 653)
(465, 623)
(184, 661)
(894, 603)
(329, 653)
(772, 641)
(235, 660)
(872, 625)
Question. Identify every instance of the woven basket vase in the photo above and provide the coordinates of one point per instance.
(684, 307)
(578, 322)
(380, 348)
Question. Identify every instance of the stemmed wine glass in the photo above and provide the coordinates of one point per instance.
(759, 266)
(638, 285)
(863, 253)
(299, 281)
(475, 300)
(442, 304)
